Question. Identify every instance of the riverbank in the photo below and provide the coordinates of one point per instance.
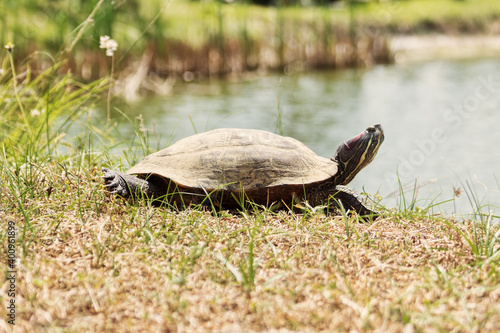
(406, 49)
(86, 261)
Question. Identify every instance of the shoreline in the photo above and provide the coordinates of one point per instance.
(417, 48)
(139, 78)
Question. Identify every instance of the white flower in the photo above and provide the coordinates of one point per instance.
(9, 47)
(109, 44)
(35, 113)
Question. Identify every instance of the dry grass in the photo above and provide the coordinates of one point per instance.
(91, 263)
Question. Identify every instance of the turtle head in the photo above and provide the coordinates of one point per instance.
(358, 152)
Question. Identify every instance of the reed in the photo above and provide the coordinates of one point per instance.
(212, 38)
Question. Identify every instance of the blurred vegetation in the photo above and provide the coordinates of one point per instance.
(214, 37)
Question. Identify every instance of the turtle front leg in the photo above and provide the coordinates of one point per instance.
(342, 195)
(353, 201)
(127, 185)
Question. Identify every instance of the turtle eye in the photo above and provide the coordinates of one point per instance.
(371, 129)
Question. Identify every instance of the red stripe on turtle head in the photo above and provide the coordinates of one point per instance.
(349, 144)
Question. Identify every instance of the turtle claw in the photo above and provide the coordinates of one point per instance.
(108, 174)
(114, 188)
(111, 184)
(114, 182)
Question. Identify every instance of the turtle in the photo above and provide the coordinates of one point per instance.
(229, 167)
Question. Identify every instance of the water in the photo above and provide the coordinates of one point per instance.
(441, 121)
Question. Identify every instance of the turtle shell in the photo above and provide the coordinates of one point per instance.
(235, 159)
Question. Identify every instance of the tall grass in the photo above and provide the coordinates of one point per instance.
(45, 107)
(39, 107)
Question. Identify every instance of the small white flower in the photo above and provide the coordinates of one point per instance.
(104, 41)
(9, 47)
(109, 44)
(35, 113)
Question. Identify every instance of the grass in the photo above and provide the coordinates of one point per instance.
(87, 261)
(91, 262)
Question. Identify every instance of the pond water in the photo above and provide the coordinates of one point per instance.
(441, 121)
